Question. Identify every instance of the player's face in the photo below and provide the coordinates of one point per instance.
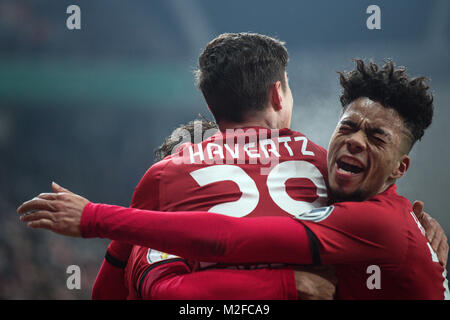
(288, 103)
(367, 151)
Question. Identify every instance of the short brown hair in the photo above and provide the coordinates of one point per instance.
(235, 71)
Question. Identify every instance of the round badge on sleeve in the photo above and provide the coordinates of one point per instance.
(156, 256)
(315, 215)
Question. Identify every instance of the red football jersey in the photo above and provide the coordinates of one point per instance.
(247, 172)
(379, 249)
(377, 246)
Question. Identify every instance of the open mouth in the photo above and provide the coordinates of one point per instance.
(348, 165)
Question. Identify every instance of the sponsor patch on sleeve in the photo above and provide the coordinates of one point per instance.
(156, 256)
(315, 215)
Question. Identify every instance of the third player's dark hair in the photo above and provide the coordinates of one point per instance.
(170, 143)
(235, 71)
(391, 87)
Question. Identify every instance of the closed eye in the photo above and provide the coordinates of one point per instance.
(377, 141)
(348, 125)
(345, 128)
(379, 135)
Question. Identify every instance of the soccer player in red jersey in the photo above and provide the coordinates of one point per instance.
(244, 82)
(243, 79)
(384, 114)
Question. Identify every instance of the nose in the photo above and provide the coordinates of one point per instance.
(356, 143)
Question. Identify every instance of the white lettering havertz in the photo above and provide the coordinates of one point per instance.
(266, 150)
(315, 215)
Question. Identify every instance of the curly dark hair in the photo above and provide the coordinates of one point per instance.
(172, 141)
(235, 71)
(392, 88)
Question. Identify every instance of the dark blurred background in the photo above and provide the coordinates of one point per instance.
(86, 108)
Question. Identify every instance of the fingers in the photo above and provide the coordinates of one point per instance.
(36, 204)
(418, 209)
(48, 196)
(425, 220)
(41, 224)
(38, 215)
(442, 253)
(44, 201)
(440, 246)
(57, 188)
(434, 233)
(429, 225)
(436, 240)
(40, 220)
(59, 222)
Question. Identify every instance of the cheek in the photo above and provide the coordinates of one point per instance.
(380, 171)
(334, 147)
(329, 158)
(333, 143)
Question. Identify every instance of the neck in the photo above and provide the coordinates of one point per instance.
(386, 186)
(223, 125)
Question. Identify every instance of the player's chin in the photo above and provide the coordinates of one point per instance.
(340, 193)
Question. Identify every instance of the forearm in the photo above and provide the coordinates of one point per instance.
(202, 236)
(224, 284)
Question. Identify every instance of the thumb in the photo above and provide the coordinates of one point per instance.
(57, 188)
(418, 209)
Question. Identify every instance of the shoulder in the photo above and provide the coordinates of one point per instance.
(298, 136)
(146, 193)
(381, 217)
(155, 171)
(374, 230)
(307, 150)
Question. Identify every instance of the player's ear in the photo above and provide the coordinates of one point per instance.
(402, 167)
(275, 96)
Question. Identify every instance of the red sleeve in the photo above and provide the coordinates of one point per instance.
(109, 284)
(110, 281)
(202, 236)
(361, 232)
(177, 279)
(224, 284)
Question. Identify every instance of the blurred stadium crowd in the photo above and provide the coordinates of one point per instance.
(87, 108)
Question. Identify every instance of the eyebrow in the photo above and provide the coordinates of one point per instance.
(349, 123)
(354, 125)
(379, 131)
